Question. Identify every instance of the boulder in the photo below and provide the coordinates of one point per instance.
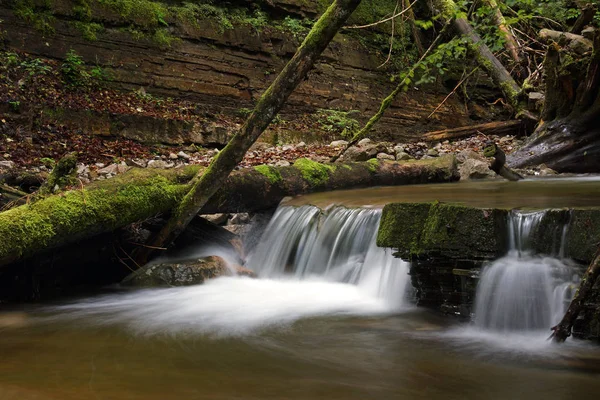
(338, 143)
(475, 169)
(385, 156)
(185, 273)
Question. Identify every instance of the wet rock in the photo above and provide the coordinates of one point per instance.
(338, 143)
(475, 169)
(185, 273)
(239, 229)
(546, 171)
(385, 156)
(243, 271)
(239, 218)
(217, 219)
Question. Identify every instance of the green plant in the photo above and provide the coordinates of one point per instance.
(73, 70)
(48, 162)
(163, 38)
(89, 30)
(99, 74)
(337, 121)
(14, 105)
(40, 17)
(297, 27)
(35, 67)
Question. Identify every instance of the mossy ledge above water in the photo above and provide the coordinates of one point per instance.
(458, 232)
(105, 206)
(418, 230)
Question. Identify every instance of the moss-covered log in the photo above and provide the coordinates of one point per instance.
(142, 193)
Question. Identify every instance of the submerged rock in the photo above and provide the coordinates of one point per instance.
(185, 273)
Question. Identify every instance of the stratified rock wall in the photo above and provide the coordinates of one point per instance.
(224, 70)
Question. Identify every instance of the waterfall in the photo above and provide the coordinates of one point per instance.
(523, 292)
(337, 245)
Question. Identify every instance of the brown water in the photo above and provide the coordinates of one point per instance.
(534, 194)
(409, 355)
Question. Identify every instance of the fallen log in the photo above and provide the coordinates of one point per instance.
(517, 128)
(105, 206)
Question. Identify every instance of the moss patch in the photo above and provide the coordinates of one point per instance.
(271, 173)
(313, 172)
(420, 230)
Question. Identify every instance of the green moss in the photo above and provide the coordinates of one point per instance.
(39, 16)
(313, 172)
(80, 213)
(89, 30)
(373, 165)
(271, 173)
(442, 230)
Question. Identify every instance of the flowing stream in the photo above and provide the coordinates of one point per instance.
(523, 292)
(328, 318)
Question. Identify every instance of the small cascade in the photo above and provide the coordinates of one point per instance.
(523, 292)
(337, 245)
(520, 227)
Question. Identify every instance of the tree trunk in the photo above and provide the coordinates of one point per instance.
(267, 107)
(567, 140)
(139, 194)
(587, 16)
(510, 43)
(416, 33)
(448, 10)
(563, 330)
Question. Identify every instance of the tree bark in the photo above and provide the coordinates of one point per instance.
(563, 330)
(105, 206)
(492, 150)
(510, 43)
(516, 127)
(416, 33)
(448, 11)
(267, 107)
(587, 16)
(568, 140)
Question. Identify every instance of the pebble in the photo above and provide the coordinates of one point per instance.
(183, 155)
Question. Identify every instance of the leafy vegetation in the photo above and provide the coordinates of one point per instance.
(340, 122)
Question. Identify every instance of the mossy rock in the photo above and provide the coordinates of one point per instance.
(185, 273)
(583, 235)
(425, 230)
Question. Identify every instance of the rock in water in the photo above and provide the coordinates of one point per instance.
(185, 273)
